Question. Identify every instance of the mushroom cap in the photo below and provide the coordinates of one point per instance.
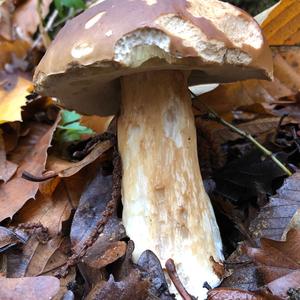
(214, 40)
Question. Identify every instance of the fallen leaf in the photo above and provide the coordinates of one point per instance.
(11, 133)
(42, 209)
(274, 217)
(8, 238)
(96, 123)
(64, 168)
(11, 101)
(241, 272)
(214, 136)
(6, 11)
(149, 263)
(227, 97)
(247, 177)
(7, 168)
(282, 25)
(235, 294)
(107, 248)
(11, 49)
(131, 287)
(33, 288)
(30, 155)
(26, 18)
(278, 262)
(294, 223)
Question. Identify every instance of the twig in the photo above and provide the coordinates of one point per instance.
(171, 269)
(215, 117)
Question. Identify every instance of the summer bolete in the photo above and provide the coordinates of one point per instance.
(141, 55)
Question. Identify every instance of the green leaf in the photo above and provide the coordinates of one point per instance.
(69, 129)
(73, 4)
(77, 4)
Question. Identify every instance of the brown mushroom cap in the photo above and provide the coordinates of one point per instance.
(216, 41)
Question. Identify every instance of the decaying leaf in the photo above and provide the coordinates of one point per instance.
(227, 97)
(7, 168)
(294, 223)
(6, 10)
(26, 18)
(107, 248)
(149, 263)
(132, 287)
(64, 168)
(278, 262)
(96, 123)
(235, 294)
(8, 238)
(274, 217)
(30, 155)
(11, 49)
(33, 288)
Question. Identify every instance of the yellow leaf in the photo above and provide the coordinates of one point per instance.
(12, 101)
(282, 25)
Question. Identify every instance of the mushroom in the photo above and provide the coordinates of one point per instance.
(141, 55)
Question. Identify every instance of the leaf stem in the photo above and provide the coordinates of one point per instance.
(215, 117)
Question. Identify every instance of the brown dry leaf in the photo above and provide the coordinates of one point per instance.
(294, 223)
(11, 133)
(282, 26)
(64, 168)
(96, 123)
(12, 100)
(279, 262)
(6, 9)
(55, 262)
(274, 217)
(131, 287)
(9, 49)
(30, 155)
(8, 238)
(26, 18)
(235, 294)
(51, 212)
(286, 83)
(33, 288)
(7, 168)
(214, 135)
(92, 206)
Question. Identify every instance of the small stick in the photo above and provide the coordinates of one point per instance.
(171, 269)
(30, 177)
(215, 117)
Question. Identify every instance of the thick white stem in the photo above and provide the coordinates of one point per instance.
(166, 208)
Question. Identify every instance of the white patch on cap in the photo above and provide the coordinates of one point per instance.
(91, 22)
(81, 50)
(109, 33)
(151, 2)
(150, 38)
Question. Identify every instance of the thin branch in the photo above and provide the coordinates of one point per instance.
(215, 117)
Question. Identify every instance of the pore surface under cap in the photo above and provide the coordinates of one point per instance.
(216, 41)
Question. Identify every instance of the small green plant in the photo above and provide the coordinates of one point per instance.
(69, 129)
(63, 5)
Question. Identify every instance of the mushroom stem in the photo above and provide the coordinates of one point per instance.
(165, 206)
